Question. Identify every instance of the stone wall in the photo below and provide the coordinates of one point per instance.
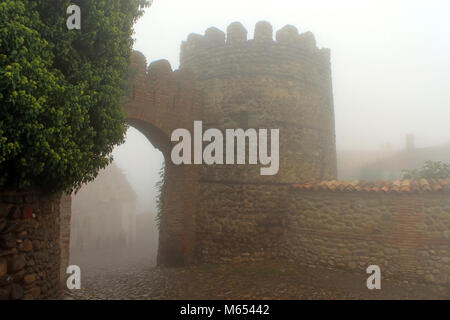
(406, 233)
(64, 239)
(240, 222)
(29, 245)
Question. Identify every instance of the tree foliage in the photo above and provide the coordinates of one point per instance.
(430, 170)
(61, 90)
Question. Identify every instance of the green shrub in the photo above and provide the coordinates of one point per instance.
(430, 170)
(61, 90)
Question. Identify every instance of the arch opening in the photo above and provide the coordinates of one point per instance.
(114, 218)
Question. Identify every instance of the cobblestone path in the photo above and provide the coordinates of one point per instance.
(125, 277)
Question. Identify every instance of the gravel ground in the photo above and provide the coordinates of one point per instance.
(132, 275)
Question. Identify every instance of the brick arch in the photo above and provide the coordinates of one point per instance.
(160, 101)
(158, 138)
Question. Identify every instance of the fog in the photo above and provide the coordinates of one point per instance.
(390, 59)
(141, 163)
(390, 63)
(390, 70)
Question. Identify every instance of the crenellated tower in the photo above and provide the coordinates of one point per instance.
(262, 83)
(230, 82)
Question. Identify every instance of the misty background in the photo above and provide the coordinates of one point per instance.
(390, 63)
(390, 67)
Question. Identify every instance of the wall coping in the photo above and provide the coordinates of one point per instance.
(397, 186)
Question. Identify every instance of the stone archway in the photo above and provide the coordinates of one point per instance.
(160, 101)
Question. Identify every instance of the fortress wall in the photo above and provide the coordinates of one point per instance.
(406, 234)
(240, 222)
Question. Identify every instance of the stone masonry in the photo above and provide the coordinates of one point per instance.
(404, 227)
(29, 245)
(222, 213)
(262, 83)
(334, 224)
(229, 81)
(64, 235)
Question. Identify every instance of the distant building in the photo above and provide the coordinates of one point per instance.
(104, 212)
(147, 233)
(385, 163)
(350, 162)
(391, 167)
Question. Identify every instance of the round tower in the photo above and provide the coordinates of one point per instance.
(261, 83)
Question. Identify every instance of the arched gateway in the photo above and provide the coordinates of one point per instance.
(230, 82)
(159, 102)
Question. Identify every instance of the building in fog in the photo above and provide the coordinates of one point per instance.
(104, 213)
(387, 164)
(147, 233)
(411, 158)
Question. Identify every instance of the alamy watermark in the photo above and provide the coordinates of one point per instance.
(74, 280)
(235, 140)
(374, 281)
(74, 20)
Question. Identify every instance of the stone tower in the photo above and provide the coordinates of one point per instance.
(262, 83)
(228, 82)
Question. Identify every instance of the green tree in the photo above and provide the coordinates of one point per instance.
(61, 90)
(430, 170)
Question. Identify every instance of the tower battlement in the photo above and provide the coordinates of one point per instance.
(290, 49)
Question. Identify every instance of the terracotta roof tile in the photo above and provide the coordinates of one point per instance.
(342, 186)
(400, 186)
